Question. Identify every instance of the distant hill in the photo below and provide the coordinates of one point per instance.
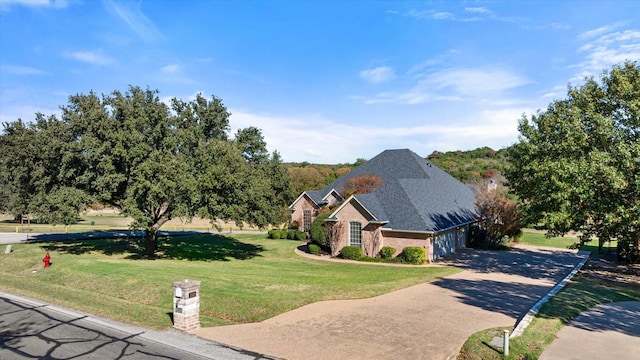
(470, 167)
(306, 176)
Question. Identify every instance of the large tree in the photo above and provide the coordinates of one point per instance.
(153, 162)
(577, 165)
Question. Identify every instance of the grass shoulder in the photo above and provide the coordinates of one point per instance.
(600, 281)
(579, 295)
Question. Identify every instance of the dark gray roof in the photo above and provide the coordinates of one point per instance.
(415, 196)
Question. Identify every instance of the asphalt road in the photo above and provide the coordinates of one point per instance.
(35, 330)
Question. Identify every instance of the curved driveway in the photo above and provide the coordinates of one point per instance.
(426, 321)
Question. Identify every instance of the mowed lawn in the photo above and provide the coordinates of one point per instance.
(245, 278)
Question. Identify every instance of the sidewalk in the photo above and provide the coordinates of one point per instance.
(606, 331)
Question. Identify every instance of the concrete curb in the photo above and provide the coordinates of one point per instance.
(171, 337)
(526, 320)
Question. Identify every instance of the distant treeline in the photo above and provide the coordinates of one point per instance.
(469, 167)
(472, 166)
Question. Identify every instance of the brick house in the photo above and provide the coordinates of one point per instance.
(416, 204)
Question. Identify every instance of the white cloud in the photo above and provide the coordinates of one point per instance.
(331, 142)
(456, 84)
(481, 10)
(606, 47)
(171, 69)
(475, 82)
(21, 70)
(91, 57)
(5, 5)
(132, 15)
(378, 75)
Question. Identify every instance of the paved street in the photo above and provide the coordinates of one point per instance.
(34, 330)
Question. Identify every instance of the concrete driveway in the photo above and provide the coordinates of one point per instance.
(426, 321)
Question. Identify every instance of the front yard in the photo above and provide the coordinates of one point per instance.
(245, 278)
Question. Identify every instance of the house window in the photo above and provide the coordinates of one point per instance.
(306, 220)
(355, 234)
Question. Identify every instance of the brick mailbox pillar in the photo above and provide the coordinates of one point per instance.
(186, 305)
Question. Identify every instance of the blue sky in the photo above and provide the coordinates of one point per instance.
(326, 81)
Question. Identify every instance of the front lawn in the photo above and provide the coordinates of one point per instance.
(245, 278)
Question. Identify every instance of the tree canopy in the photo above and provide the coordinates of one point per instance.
(150, 160)
(577, 165)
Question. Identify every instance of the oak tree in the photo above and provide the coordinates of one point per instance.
(151, 161)
(577, 164)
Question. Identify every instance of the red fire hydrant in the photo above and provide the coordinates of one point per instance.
(46, 260)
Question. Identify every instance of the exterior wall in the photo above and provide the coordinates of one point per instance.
(333, 199)
(400, 240)
(298, 214)
(372, 239)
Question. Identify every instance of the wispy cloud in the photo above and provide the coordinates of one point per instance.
(290, 135)
(469, 14)
(171, 69)
(606, 46)
(96, 57)
(21, 70)
(440, 15)
(377, 75)
(132, 15)
(481, 10)
(5, 5)
(174, 74)
(456, 84)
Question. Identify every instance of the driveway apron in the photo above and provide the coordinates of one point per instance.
(426, 321)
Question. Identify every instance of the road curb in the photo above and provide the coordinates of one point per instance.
(526, 320)
(183, 341)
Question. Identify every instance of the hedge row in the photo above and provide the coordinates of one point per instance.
(286, 234)
(410, 255)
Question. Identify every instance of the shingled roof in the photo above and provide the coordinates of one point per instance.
(416, 195)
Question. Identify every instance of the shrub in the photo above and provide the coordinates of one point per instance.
(387, 252)
(301, 235)
(283, 234)
(291, 234)
(414, 255)
(318, 231)
(294, 225)
(351, 253)
(273, 234)
(314, 249)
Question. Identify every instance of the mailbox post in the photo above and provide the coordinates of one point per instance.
(186, 305)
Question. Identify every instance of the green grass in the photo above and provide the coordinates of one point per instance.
(245, 278)
(537, 239)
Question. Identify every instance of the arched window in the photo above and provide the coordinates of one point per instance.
(355, 234)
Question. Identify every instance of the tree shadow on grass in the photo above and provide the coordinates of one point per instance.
(193, 248)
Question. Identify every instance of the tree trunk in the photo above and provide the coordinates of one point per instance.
(151, 243)
(151, 234)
